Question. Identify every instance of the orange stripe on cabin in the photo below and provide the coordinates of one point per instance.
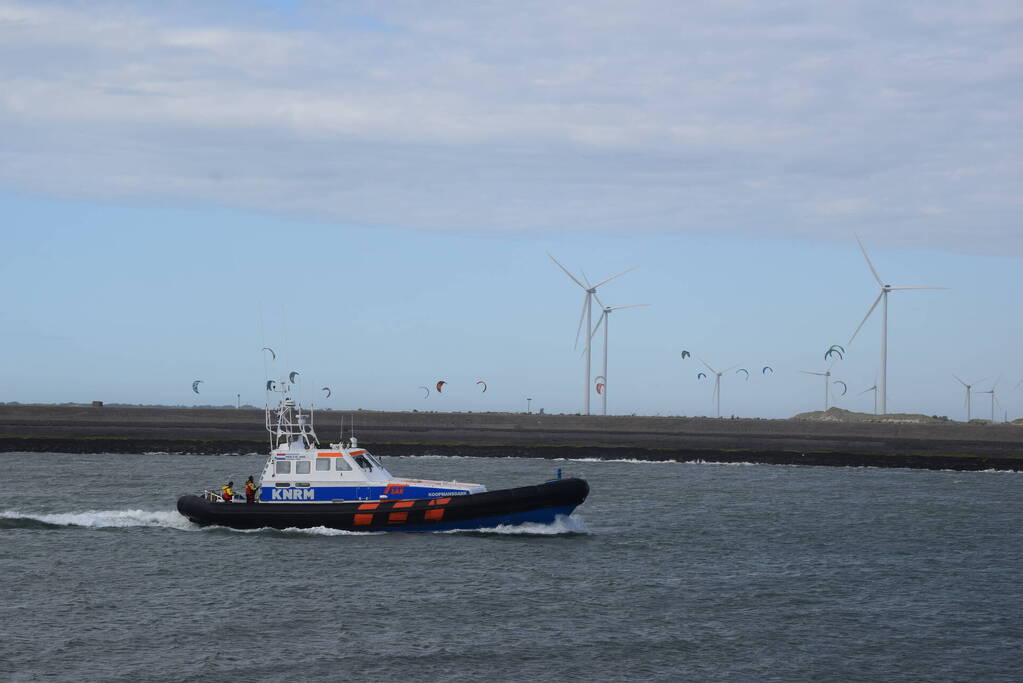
(404, 503)
(327, 455)
(443, 501)
(358, 451)
(434, 515)
(363, 520)
(369, 506)
(397, 517)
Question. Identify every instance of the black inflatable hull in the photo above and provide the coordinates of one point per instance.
(537, 504)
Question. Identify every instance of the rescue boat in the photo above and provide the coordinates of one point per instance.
(343, 486)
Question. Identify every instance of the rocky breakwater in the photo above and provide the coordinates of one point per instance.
(128, 429)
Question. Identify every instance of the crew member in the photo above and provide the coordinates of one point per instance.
(250, 491)
(227, 492)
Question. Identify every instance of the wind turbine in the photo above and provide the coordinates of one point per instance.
(717, 384)
(605, 318)
(874, 389)
(587, 314)
(827, 384)
(969, 386)
(885, 289)
(994, 400)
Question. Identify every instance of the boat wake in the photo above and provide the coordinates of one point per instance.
(95, 519)
(561, 526)
(171, 519)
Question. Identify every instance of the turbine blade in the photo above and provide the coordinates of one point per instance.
(869, 311)
(706, 365)
(601, 303)
(597, 326)
(871, 265)
(582, 317)
(574, 279)
(614, 276)
(917, 287)
(960, 381)
(585, 279)
(807, 372)
(866, 390)
(731, 368)
(618, 308)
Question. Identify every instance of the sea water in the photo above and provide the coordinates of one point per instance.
(669, 571)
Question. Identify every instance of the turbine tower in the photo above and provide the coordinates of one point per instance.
(968, 393)
(587, 315)
(883, 299)
(827, 384)
(717, 384)
(994, 399)
(605, 318)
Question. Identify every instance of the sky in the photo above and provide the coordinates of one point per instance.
(372, 189)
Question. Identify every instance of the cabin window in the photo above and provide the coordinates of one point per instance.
(302, 467)
(283, 467)
(341, 465)
(362, 462)
(282, 484)
(373, 461)
(322, 464)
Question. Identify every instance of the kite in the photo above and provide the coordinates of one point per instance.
(427, 394)
(440, 386)
(701, 375)
(291, 376)
(270, 385)
(195, 385)
(844, 387)
(766, 368)
(686, 354)
(600, 387)
(267, 348)
(484, 386)
(327, 389)
(835, 350)
(743, 370)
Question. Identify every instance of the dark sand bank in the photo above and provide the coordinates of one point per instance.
(113, 429)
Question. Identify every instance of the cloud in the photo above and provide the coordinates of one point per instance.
(621, 117)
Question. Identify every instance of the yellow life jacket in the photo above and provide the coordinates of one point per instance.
(228, 493)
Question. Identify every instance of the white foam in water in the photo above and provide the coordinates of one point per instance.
(102, 519)
(560, 525)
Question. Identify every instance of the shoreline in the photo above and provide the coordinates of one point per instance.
(218, 431)
(205, 447)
